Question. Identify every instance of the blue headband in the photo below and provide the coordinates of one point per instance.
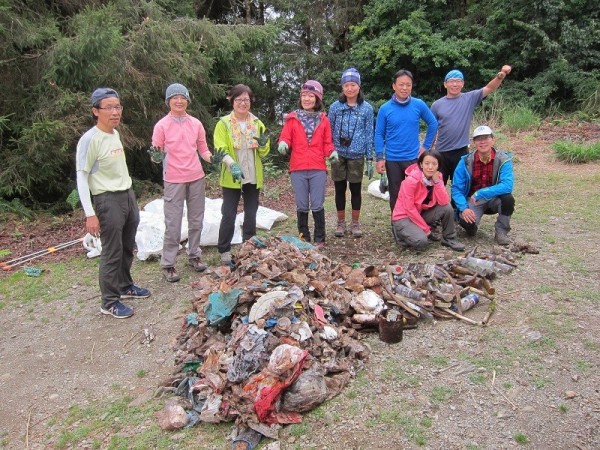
(456, 74)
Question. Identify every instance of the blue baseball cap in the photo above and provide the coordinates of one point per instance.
(456, 74)
(102, 93)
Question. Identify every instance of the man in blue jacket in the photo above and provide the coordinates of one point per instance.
(483, 184)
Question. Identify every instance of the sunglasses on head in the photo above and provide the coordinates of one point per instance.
(309, 87)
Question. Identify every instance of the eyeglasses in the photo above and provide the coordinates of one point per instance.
(112, 108)
(404, 85)
(242, 100)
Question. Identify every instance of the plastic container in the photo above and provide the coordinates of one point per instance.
(467, 302)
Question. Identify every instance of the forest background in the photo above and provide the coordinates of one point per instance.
(53, 53)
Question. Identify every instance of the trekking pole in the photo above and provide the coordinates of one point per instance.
(9, 265)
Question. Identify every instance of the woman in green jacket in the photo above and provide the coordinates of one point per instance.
(242, 136)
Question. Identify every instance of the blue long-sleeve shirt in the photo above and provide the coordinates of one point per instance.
(397, 129)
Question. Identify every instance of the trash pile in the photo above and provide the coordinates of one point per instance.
(281, 332)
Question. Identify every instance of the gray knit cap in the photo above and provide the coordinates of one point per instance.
(177, 89)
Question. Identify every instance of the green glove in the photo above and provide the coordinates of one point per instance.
(383, 184)
(217, 156)
(236, 173)
(334, 157)
(369, 169)
(283, 148)
(262, 139)
(156, 155)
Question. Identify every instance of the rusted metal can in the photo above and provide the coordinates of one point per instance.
(390, 331)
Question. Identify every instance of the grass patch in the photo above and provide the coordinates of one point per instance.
(583, 366)
(393, 372)
(298, 429)
(102, 424)
(520, 118)
(563, 408)
(477, 378)
(521, 438)
(440, 394)
(576, 153)
(440, 361)
(53, 285)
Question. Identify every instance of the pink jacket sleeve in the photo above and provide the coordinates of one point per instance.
(408, 189)
(440, 194)
(202, 145)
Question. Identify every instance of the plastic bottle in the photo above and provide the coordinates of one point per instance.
(408, 292)
(467, 302)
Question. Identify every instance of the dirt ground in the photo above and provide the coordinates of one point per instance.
(529, 377)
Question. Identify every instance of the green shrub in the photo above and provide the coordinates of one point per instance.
(520, 118)
(575, 153)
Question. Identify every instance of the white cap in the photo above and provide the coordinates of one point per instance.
(482, 130)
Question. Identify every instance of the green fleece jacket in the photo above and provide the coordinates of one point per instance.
(222, 139)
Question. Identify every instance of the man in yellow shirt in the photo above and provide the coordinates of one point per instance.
(114, 216)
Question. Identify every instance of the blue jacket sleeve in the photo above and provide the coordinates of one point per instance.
(504, 186)
(380, 133)
(432, 126)
(334, 112)
(369, 126)
(461, 182)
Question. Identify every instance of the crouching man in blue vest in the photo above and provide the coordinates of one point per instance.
(483, 184)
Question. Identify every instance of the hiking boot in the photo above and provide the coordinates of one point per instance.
(501, 238)
(356, 231)
(453, 244)
(198, 265)
(435, 235)
(319, 245)
(118, 310)
(134, 291)
(226, 259)
(170, 274)
(341, 228)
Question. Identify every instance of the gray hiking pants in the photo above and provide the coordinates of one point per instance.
(411, 234)
(119, 216)
(175, 194)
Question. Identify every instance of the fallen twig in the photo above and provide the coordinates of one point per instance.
(27, 430)
(461, 317)
(131, 339)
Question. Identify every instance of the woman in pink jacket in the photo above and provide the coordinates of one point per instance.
(182, 140)
(422, 201)
(306, 136)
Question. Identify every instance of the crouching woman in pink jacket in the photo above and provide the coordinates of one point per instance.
(422, 201)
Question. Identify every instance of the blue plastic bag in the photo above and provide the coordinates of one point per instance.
(221, 305)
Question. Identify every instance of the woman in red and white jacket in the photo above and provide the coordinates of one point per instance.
(422, 201)
(306, 136)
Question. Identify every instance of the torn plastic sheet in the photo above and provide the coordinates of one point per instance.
(221, 305)
(249, 357)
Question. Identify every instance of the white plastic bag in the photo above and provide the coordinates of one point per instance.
(92, 245)
(373, 189)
